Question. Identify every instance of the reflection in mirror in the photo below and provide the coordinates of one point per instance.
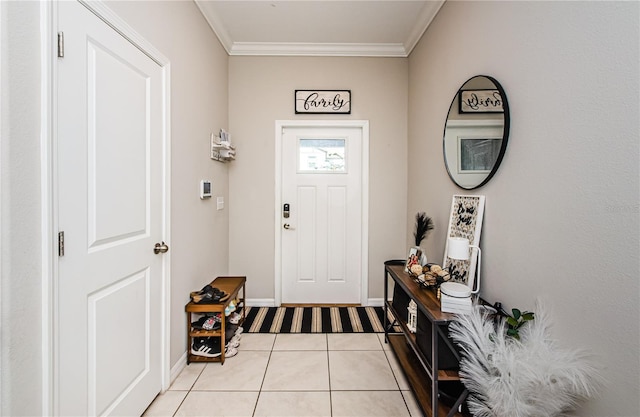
(476, 132)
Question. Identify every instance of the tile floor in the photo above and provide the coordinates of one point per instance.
(294, 375)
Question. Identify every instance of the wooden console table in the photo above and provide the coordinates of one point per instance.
(230, 285)
(422, 374)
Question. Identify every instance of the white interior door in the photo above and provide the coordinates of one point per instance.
(321, 248)
(110, 192)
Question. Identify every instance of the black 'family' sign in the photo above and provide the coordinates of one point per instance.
(480, 101)
(323, 101)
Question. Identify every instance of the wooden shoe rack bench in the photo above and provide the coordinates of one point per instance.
(235, 286)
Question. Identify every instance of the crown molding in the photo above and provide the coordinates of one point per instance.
(216, 25)
(396, 50)
(427, 15)
(319, 49)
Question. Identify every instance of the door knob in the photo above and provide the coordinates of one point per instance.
(288, 226)
(160, 248)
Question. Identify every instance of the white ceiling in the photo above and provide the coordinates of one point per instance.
(388, 28)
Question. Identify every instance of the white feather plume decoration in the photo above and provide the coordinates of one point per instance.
(530, 377)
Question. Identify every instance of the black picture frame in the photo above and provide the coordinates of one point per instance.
(480, 101)
(322, 101)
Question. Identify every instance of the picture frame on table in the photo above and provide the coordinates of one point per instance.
(416, 256)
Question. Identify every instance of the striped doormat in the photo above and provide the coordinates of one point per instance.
(314, 320)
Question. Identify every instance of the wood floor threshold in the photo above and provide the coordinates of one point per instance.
(320, 305)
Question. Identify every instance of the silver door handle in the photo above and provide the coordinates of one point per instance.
(160, 248)
(288, 226)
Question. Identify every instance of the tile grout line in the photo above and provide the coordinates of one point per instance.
(330, 389)
(395, 377)
(329, 375)
(264, 376)
(190, 388)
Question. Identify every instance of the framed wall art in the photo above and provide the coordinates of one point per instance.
(323, 101)
(465, 221)
(480, 101)
(478, 155)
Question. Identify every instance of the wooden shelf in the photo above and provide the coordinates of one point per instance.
(196, 358)
(410, 341)
(417, 376)
(425, 298)
(205, 333)
(423, 375)
(230, 285)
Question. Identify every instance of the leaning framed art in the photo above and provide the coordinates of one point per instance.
(465, 221)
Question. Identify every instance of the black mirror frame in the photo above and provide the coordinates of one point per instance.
(505, 132)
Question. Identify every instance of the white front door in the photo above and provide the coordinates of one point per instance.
(321, 215)
(110, 201)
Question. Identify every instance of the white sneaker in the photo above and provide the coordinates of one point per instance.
(230, 352)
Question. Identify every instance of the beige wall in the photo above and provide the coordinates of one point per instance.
(260, 92)
(199, 95)
(562, 213)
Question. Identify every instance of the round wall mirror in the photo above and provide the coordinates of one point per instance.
(476, 132)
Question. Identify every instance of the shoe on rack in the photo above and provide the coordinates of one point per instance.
(233, 343)
(209, 295)
(230, 308)
(234, 318)
(230, 352)
(206, 346)
(207, 323)
(234, 339)
(229, 332)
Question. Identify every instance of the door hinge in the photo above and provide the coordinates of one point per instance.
(61, 243)
(60, 44)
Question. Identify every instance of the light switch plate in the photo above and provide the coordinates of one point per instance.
(220, 202)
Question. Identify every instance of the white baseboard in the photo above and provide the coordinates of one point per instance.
(261, 302)
(376, 302)
(178, 367)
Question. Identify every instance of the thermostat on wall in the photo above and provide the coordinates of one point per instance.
(205, 189)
